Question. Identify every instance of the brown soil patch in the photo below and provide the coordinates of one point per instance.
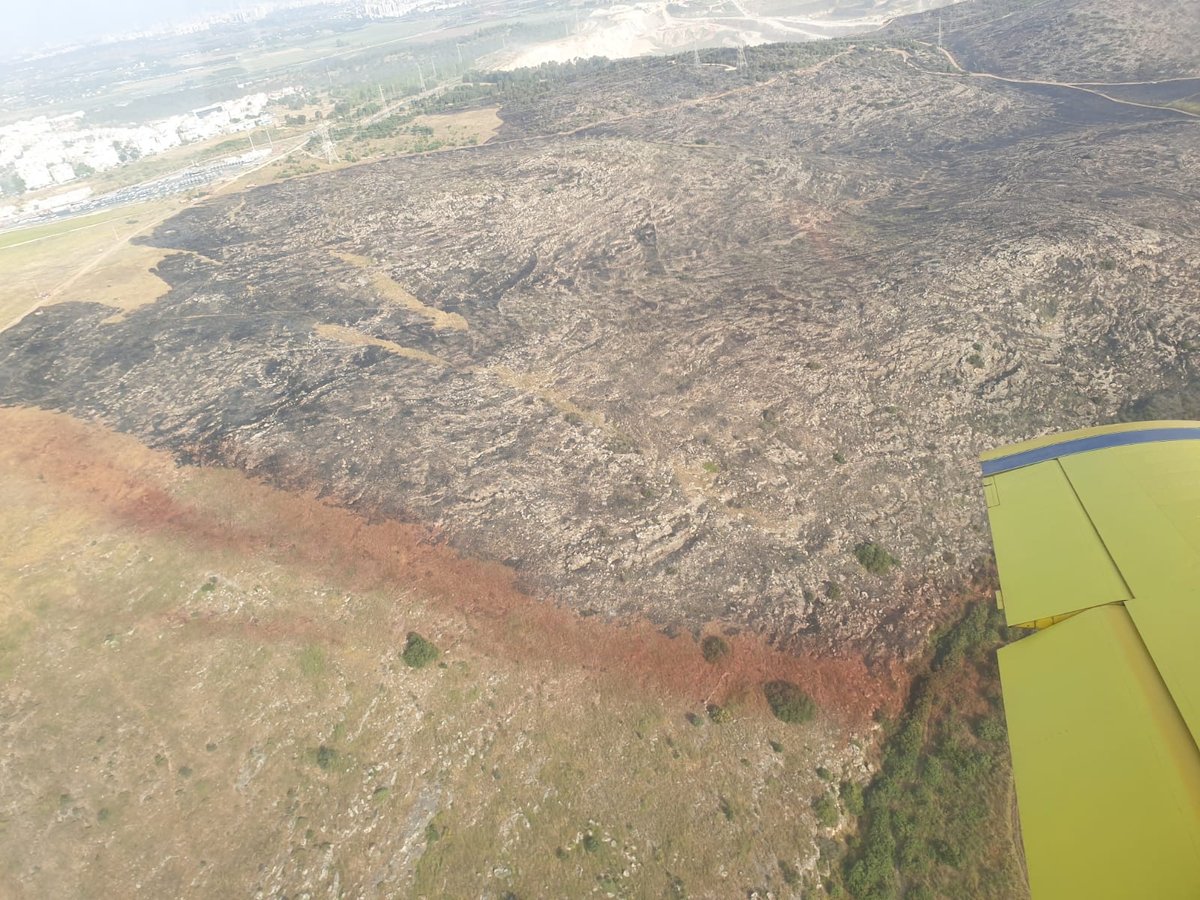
(114, 475)
(349, 336)
(481, 124)
(394, 292)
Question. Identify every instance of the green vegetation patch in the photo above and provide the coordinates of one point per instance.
(874, 558)
(312, 661)
(714, 649)
(325, 757)
(791, 875)
(788, 702)
(935, 819)
(826, 810)
(719, 714)
(418, 652)
(852, 797)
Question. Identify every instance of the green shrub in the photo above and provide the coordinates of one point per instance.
(852, 797)
(933, 772)
(791, 875)
(719, 714)
(788, 702)
(948, 853)
(312, 661)
(418, 652)
(714, 649)
(591, 843)
(874, 558)
(826, 810)
(990, 728)
(326, 756)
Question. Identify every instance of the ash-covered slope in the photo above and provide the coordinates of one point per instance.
(1068, 40)
(681, 360)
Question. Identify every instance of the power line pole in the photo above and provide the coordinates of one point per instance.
(696, 57)
(458, 47)
(327, 145)
(420, 74)
(433, 63)
(939, 30)
(741, 57)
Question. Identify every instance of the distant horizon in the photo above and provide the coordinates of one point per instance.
(32, 28)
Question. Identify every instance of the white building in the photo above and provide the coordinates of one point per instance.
(44, 151)
(61, 172)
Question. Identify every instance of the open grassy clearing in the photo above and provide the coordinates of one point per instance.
(196, 715)
(467, 127)
(20, 237)
(83, 259)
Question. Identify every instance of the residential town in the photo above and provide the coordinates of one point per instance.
(43, 152)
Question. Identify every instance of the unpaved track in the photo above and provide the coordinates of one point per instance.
(1083, 87)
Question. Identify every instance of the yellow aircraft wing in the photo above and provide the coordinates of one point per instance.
(1097, 538)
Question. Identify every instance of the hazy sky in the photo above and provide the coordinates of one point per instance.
(31, 23)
